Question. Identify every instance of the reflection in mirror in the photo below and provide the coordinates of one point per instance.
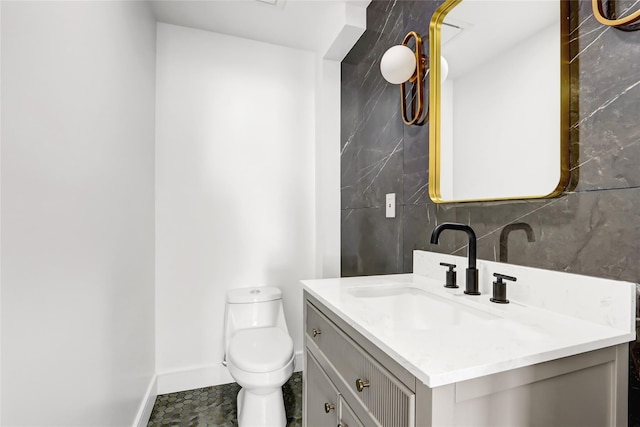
(504, 237)
(499, 122)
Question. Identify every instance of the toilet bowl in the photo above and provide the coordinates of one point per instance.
(259, 354)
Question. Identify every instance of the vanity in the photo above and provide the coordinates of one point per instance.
(403, 350)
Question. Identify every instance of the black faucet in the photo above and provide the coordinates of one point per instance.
(472, 271)
(504, 234)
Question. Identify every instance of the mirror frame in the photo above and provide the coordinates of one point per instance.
(434, 105)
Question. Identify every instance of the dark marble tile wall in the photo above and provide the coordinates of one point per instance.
(591, 230)
(594, 229)
(380, 155)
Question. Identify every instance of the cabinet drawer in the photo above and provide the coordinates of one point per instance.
(347, 417)
(322, 397)
(386, 398)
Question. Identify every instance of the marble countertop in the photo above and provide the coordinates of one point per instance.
(528, 330)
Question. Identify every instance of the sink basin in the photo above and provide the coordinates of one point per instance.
(410, 308)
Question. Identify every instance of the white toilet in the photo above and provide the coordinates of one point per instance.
(258, 353)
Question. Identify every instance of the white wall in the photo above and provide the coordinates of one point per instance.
(0, 215)
(327, 165)
(526, 132)
(235, 190)
(447, 129)
(77, 212)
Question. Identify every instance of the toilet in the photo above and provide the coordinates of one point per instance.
(258, 353)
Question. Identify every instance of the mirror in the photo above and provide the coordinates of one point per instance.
(499, 121)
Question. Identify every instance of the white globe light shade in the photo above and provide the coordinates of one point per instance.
(398, 64)
(444, 69)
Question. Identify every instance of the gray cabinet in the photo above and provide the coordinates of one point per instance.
(322, 409)
(369, 392)
(347, 417)
(365, 387)
(327, 408)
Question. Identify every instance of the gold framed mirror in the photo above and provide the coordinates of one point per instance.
(499, 122)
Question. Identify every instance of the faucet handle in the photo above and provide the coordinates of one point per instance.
(451, 275)
(500, 288)
(502, 277)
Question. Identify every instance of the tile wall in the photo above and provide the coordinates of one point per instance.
(594, 229)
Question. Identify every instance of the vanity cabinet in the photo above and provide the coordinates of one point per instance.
(364, 386)
(371, 394)
(347, 417)
(329, 409)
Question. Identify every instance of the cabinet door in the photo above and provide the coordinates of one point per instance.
(347, 417)
(390, 402)
(322, 397)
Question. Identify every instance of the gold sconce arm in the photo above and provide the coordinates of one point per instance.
(417, 81)
(600, 15)
(406, 67)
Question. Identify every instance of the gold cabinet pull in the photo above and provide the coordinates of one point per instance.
(316, 332)
(328, 407)
(361, 384)
(343, 425)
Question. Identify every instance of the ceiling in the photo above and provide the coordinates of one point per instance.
(478, 30)
(301, 24)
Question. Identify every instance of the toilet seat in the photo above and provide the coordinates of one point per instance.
(260, 349)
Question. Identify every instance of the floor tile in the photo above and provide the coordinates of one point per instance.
(216, 406)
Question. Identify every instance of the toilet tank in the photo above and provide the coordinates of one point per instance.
(257, 307)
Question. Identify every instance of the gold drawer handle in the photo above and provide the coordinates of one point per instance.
(328, 407)
(343, 425)
(361, 384)
(316, 332)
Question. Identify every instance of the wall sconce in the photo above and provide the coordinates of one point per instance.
(607, 16)
(401, 65)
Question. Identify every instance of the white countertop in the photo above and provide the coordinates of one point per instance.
(578, 314)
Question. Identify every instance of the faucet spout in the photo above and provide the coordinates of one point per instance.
(472, 272)
(471, 235)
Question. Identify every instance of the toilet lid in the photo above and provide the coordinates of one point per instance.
(260, 349)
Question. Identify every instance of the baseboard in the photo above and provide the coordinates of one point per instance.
(191, 378)
(144, 412)
(298, 362)
(203, 376)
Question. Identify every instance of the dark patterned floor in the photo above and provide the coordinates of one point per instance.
(216, 406)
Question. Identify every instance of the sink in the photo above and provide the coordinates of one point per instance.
(404, 307)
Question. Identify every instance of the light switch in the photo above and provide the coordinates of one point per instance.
(391, 205)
